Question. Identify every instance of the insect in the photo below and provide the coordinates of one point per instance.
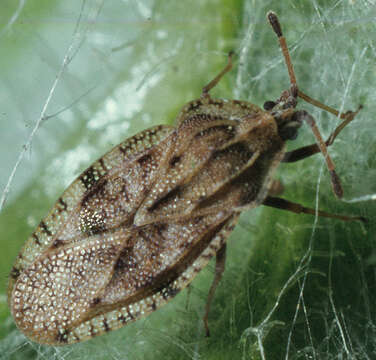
(137, 225)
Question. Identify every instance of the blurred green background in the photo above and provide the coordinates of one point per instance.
(295, 287)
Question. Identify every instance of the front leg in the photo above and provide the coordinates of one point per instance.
(309, 150)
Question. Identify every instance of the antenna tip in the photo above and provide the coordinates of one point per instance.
(274, 22)
(336, 184)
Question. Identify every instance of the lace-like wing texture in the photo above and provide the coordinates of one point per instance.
(137, 226)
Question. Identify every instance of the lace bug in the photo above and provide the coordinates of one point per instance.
(137, 225)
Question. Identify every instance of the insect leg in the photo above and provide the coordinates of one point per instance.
(215, 81)
(220, 261)
(274, 22)
(284, 204)
(309, 150)
(336, 183)
(327, 108)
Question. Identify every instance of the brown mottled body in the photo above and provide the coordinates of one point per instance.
(137, 226)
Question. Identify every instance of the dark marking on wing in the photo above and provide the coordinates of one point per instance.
(62, 337)
(57, 243)
(144, 159)
(102, 164)
(174, 160)
(124, 150)
(105, 325)
(165, 199)
(14, 273)
(123, 262)
(36, 239)
(169, 292)
(95, 301)
(160, 227)
(63, 204)
(88, 177)
(122, 319)
(45, 228)
(76, 337)
(95, 192)
(96, 229)
(130, 315)
(92, 332)
(202, 116)
(197, 220)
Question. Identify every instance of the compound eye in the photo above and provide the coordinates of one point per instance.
(289, 130)
(268, 105)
